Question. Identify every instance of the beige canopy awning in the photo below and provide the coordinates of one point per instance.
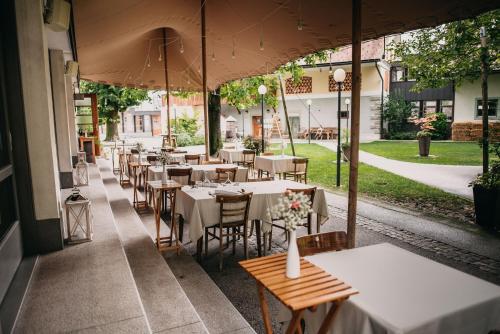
(121, 42)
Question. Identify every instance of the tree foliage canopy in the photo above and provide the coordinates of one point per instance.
(449, 52)
(113, 99)
(243, 94)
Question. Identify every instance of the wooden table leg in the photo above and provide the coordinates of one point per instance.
(295, 322)
(199, 248)
(264, 308)
(258, 235)
(327, 322)
(136, 199)
(157, 211)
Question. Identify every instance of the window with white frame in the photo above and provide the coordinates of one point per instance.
(446, 107)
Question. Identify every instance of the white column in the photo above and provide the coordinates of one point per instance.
(70, 104)
(34, 64)
(61, 118)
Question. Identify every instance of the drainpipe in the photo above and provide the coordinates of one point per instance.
(381, 99)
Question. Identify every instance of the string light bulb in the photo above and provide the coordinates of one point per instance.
(159, 58)
(233, 54)
(299, 25)
(261, 43)
(213, 56)
(149, 62)
(182, 47)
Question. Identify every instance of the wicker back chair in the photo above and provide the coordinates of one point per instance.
(322, 242)
(193, 159)
(181, 175)
(299, 173)
(224, 174)
(248, 159)
(233, 222)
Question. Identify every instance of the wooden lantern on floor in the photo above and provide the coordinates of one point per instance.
(82, 170)
(78, 218)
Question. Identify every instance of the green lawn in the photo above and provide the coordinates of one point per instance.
(444, 153)
(377, 183)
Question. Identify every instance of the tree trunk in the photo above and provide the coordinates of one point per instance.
(112, 126)
(214, 134)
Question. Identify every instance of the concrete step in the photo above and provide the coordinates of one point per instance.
(86, 287)
(166, 305)
(215, 310)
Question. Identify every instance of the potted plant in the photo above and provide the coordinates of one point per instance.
(292, 208)
(425, 133)
(486, 191)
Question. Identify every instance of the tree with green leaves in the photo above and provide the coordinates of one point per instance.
(243, 94)
(111, 100)
(438, 56)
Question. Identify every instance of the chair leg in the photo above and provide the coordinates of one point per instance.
(309, 224)
(221, 248)
(245, 241)
(252, 223)
(234, 240)
(206, 241)
(265, 244)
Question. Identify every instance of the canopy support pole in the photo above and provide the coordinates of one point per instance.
(204, 77)
(355, 101)
(286, 116)
(167, 86)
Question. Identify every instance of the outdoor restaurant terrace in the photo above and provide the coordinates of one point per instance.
(134, 235)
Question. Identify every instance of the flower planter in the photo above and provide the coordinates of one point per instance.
(424, 146)
(487, 207)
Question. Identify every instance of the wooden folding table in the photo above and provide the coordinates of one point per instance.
(314, 287)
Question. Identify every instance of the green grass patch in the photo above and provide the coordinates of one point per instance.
(443, 153)
(377, 183)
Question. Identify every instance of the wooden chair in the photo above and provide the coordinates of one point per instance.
(193, 159)
(152, 159)
(322, 242)
(180, 175)
(248, 159)
(299, 173)
(309, 192)
(224, 174)
(233, 211)
(134, 151)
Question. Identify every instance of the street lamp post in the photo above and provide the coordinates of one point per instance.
(347, 103)
(339, 77)
(262, 91)
(309, 102)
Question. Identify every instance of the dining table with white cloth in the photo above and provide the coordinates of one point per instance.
(199, 171)
(276, 164)
(231, 155)
(199, 208)
(404, 293)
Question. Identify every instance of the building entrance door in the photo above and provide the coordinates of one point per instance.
(257, 126)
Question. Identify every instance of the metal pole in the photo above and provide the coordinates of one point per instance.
(338, 134)
(286, 115)
(355, 101)
(262, 122)
(347, 127)
(309, 130)
(167, 85)
(484, 88)
(204, 77)
(243, 119)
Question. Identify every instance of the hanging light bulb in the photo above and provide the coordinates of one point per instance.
(213, 56)
(299, 25)
(182, 47)
(149, 63)
(261, 43)
(159, 58)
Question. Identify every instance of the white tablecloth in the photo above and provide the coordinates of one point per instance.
(198, 171)
(199, 208)
(231, 155)
(401, 292)
(274, 163)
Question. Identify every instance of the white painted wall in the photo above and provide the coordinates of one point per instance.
(33, 56)
(467, 93)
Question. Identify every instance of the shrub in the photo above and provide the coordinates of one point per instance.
(255, 144)
(198, 140)
(396, 113)
(440, 126)
(183, 139)
(186, 124)
(408, 135)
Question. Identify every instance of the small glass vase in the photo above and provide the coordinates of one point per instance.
(292, 258)
(164, 176)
